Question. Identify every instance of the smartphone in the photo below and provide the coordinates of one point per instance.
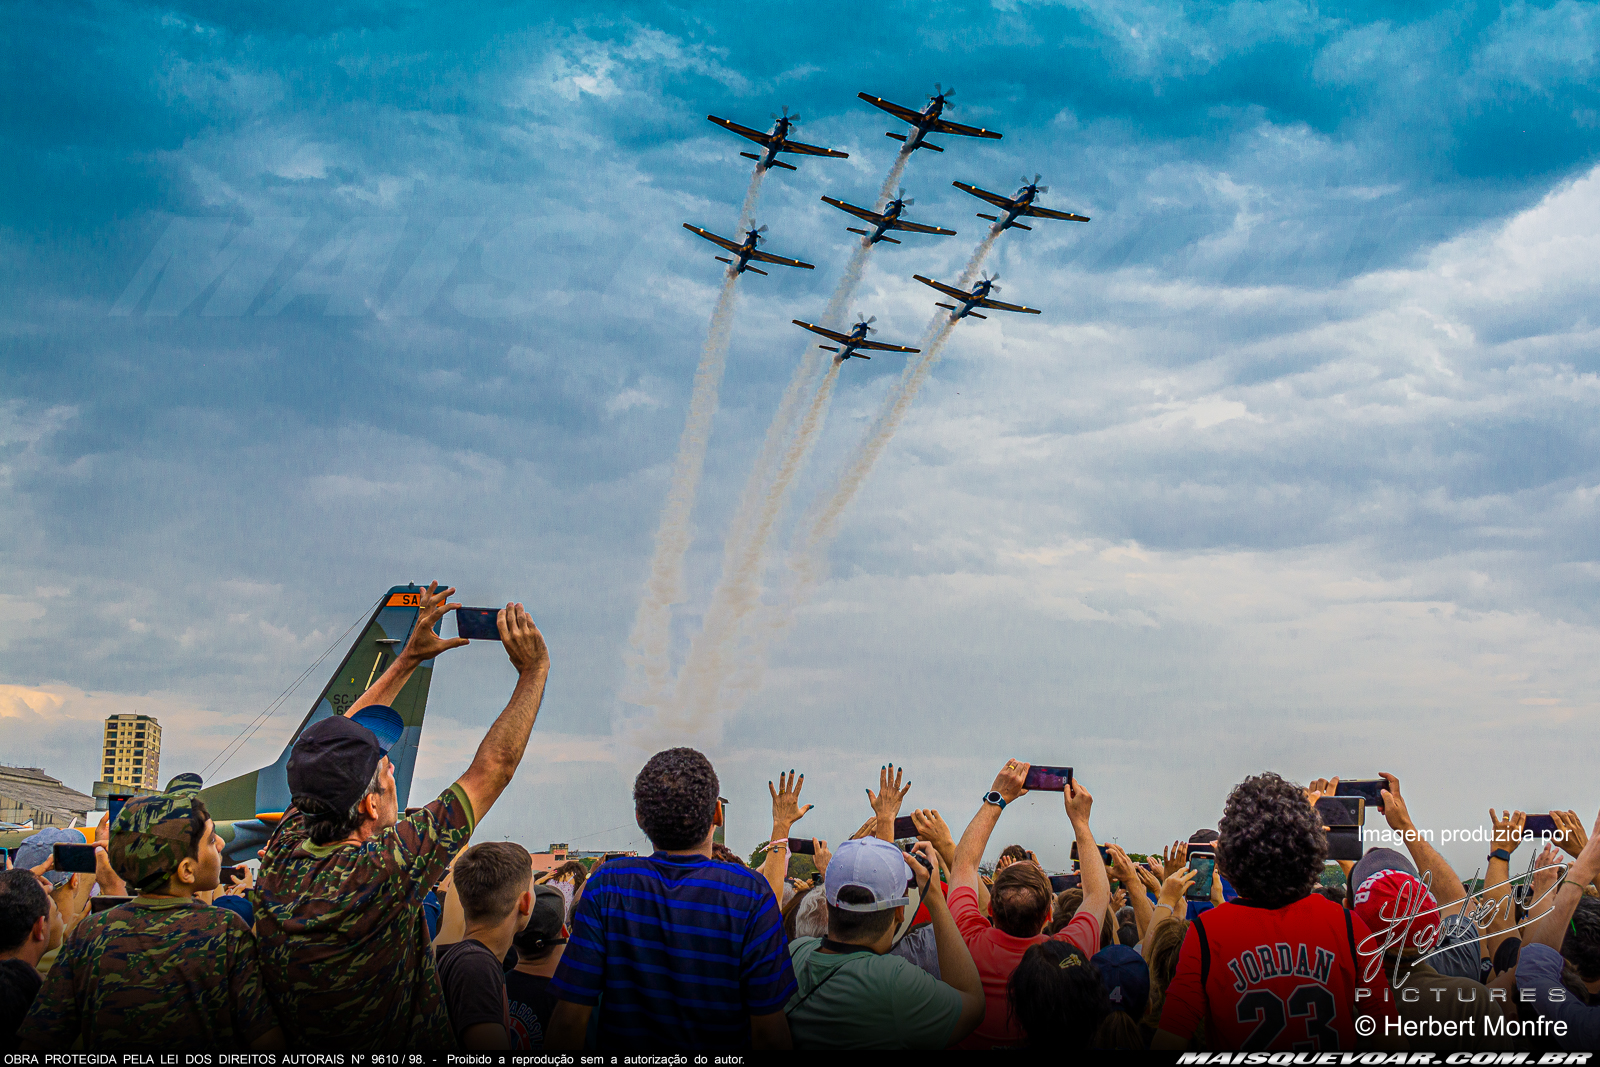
(75, 859)
(105, 903)
(1060, 883)
(1369, 789)
(1344, 843)
(1203, 862)
(1538, 826)
(1047, 779)
(802, 846)
(231, 875)
(477, 624)
(1337, 812)
(115, 806)
(904, 827)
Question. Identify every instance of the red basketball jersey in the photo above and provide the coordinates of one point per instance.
(1279, 979)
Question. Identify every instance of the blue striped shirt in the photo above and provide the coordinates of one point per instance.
(684, 949)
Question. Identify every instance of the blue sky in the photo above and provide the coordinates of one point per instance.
(1294, 471)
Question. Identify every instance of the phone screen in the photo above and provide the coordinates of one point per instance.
(75, 859)
(232, 875)
(1342, 811)
(1047, 779)
(1060, 883)
(802, 846)
(904, 827)
(105, 903)
(1369, 788)
(1204, 864)
(477, 624)
(1540, 826)
(115, 806)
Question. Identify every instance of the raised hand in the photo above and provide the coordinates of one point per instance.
(1507, 829)
(1569, 832)
(1008, 783)
(1394, 806)
(821, 860)
(886, 801)
(524, 643)
(1174, 859)
(931, 826)
(1078, 801)
(1321, 787)
(424, 644)
(786, 809)
(1149, 877)
(1122, 867)
(925, 875)
(1546, 869)
(1176, 885)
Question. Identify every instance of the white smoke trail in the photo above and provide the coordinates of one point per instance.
(650, 644)
(782, 456)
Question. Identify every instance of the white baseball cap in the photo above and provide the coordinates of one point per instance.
(873, 864)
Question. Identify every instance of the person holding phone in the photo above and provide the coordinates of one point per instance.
(1020, 901)
(1279, 968)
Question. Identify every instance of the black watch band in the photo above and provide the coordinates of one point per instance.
(1500, 854)
(993, 797)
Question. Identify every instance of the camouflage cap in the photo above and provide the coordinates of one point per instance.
(152, 835)
(187, 782)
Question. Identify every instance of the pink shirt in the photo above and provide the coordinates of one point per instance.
(997, 954)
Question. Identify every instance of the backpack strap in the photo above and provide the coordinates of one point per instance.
(1205, 951)
(1350, 936)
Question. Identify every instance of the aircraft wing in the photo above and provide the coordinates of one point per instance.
(812, 150)
(941, 126)
(743, 131)
(917, 227)
(1000, 305)
(903, 113)
(768, 257)
(731, 246)
(879, 346)
(994, 198)
(832, 335)
(859, 212)
(1046, 213)
(947, 290)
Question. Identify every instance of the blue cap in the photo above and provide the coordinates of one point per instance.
(39, 847)
(384, 722)
(1126, 977)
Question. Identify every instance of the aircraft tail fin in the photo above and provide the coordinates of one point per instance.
(263, 794)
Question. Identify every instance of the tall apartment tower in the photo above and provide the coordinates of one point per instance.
(133, 751)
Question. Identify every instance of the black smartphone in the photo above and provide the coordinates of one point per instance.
(1203, 862)
(1369, 789)
(1047, 779)
(1344, 843)
(105, 903)
(802, 846)
(904, 827)
(1337, 812)
(231, 875)
(1060, 883)
(1538, 826)
(75, 859)
(115, 806)
(478, 624)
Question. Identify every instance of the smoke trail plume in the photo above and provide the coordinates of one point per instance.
(650, 643)
(782, 456)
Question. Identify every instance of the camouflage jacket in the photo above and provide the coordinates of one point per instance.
(345, 953)
(157, 973)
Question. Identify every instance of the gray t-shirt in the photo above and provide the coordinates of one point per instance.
(920, 949)
(1459, 939)
(861, 1000)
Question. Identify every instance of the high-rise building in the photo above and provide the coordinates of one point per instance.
(133, 751)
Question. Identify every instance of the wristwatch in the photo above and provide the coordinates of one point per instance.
(993, 797)
(1500, 854)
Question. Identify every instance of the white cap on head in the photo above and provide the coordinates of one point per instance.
(873, 864)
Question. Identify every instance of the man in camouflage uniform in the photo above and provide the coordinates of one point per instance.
(345, 951)
(165, 971)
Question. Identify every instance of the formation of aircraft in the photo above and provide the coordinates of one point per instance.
(745, 251)
(1024, 203)
(977, 298)
(927, 120)
(776, 141)
(849, 344)
(879, 224)
(890, 218)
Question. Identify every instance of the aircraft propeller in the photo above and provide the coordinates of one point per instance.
(940, 93)
(866, 322)
(787, 116)
(900, 198)
(1035, 184)
(992, 279)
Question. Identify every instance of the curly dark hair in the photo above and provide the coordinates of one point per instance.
(675, 798)
(1582, 944)
(1272, 847)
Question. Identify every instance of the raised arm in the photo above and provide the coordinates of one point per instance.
(502, 747)
(786, 811)
(1552, 928)
(1128, 874)
(1570, 837)
(1441, 877)
(422, 646)
(969, 853)
(886, 801)
(1497, 881)
(956, 968)
(1091, 869)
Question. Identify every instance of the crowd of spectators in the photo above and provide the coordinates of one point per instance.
(372, 928)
